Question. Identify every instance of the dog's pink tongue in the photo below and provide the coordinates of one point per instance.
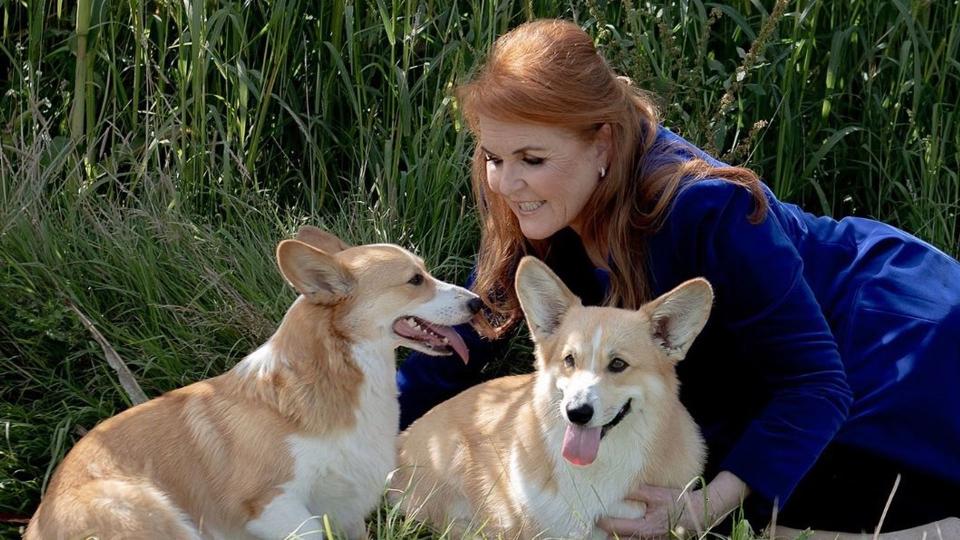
(454, 339)
(580, 444)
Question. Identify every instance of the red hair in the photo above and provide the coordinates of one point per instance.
(548, 72)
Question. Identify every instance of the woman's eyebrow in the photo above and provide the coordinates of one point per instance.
(518, 150)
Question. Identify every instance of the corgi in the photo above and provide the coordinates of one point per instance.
(548, 453)
(300, 430)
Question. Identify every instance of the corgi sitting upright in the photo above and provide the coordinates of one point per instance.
(303, 427)
(548, 453)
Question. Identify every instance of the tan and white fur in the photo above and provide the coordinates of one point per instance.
(303, 427)
(506, 458)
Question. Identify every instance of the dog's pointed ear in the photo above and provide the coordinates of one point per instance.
(543, 297)
(315, 274)
(677, 317)
(321, 240)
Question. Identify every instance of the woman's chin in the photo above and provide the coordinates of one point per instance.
(538, 225)
(537, 231)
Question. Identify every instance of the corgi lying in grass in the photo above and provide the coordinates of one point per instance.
(303, 427)
(548, 453)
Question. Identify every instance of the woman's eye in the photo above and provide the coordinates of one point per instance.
(617, 365)
(569, 361)
(533, 160)
(417, 279)
(492, 159)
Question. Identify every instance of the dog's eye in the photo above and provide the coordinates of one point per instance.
(569, 361)
(617, 365)
(417, 279)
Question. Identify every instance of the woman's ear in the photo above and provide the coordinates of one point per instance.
(603, 142)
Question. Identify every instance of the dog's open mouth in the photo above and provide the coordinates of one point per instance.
(616, 419)
(436, 338)
(581, 444)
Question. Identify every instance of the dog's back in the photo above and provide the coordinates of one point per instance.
(114, 480)
(454, 462)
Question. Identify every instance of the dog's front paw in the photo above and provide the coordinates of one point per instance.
(623, 509)
(356, 531)
(626, 509)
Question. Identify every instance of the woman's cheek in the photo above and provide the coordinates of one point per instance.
(492, 181)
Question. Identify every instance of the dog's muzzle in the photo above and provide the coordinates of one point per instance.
(616, 419)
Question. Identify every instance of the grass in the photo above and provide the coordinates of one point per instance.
(154, 152)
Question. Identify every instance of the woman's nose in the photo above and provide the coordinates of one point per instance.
(505, 180)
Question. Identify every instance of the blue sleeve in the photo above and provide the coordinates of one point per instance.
(425, 381)
(770, 312)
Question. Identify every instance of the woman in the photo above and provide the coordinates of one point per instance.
(827, 366)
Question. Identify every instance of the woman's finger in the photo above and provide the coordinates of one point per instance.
(620, 526)
(650, 494)
(625, 528)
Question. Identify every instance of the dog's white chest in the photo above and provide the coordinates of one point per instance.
(341, 476)
(350, 472)
(582, 494)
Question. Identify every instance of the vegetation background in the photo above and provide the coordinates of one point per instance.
(154, 152)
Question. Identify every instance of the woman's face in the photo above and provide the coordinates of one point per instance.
(545, 174)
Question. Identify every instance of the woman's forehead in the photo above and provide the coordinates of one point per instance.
(509, 137)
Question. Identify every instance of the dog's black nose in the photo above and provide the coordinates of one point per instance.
(474, 305)
(580, 415)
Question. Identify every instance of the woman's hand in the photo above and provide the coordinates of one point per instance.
(667, 509)
(674, 509)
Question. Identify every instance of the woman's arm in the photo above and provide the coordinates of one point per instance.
(425, 381)
(775, 334)
(670, 508)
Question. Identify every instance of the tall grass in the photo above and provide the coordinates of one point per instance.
(154, 152)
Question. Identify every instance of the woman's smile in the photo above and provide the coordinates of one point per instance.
(530, 207)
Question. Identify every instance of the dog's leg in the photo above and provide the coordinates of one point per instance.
(286, 516)
(348, 520)
(624, 509)
(346, 513)
(356, 530)
(627, 509)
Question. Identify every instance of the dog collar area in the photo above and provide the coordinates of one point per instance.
(616, 419)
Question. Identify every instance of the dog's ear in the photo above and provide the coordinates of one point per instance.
(317, 275)
(321, 240)
(677, 317)
(543, 297)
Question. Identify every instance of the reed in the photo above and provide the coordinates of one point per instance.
(152, 153)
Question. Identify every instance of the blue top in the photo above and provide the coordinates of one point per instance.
(822, 330)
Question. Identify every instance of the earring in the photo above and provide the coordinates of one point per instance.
(603, 172)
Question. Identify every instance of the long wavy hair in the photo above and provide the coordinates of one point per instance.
(548, 72)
